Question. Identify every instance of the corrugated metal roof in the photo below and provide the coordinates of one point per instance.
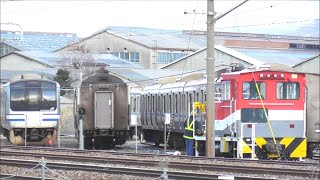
(53, 60)
(144, 76)
(158, 38)
(9, 74)
(288, 57)
(113, 61)
(40, 56)
(37, 40)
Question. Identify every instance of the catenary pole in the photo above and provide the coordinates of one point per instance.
(210, 121)
(81, 140)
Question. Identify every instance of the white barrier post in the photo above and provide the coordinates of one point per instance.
(25, 131)
(134, 121)
(167, 121)
(43, 169)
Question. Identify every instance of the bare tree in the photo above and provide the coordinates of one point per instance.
(77, 58)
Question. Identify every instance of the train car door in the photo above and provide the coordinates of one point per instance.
(104, 110)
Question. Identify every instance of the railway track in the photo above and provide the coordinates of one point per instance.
(20, 177)
(78, 151)
(189, 165)
(141, 172)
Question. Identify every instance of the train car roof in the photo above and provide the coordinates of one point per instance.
(265, 67)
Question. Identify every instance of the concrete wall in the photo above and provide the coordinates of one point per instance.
(16, 62)
(100, 43)
(310, 66)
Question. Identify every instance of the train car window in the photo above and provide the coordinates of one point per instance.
(177, 102)
(253, 115)
(218, 91)
(190, 102)
(288, 90)
(138, 104)
(48, 99)
(149, 104)
(134, 105)
(164, 104)
(33, 96)
(183, 102)
(225, 91)
(152, 110)
(158, 104)
(249, 90)
(170, 104)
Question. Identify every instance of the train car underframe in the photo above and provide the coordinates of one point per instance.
(35, 136)
(104, 139)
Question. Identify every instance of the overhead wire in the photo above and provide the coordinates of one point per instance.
(259, 95)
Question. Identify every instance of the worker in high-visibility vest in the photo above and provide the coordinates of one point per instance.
(189, 124)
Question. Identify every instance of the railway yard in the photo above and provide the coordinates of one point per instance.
(68, 162)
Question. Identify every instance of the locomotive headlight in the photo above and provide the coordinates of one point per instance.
(268, 75)
(275, 75)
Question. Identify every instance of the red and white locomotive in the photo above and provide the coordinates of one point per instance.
(263, 104)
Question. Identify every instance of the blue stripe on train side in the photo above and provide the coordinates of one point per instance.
(14, 119)
(50, 119)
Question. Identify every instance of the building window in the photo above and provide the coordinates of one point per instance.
(134, 57)
(124, 55)
(129, 56)
(168, 57)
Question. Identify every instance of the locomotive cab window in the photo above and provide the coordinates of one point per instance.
(33, 96)
(253, 115)
(249, 90)
(288, 90)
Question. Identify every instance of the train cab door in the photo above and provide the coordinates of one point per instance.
(33, 115)
(104, 110)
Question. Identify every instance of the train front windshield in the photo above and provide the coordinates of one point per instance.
(33, 96)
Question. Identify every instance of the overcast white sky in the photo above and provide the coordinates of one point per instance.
(87, 17)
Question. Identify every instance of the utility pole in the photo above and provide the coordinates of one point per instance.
(210, 121)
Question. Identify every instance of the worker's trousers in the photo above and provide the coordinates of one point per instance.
(190, 147)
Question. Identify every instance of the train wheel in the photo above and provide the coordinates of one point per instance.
(157, 140)
(88, 143)
(18, 140)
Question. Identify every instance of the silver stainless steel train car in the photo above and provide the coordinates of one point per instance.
(104, 99)
(313, 113)
(30, 111)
